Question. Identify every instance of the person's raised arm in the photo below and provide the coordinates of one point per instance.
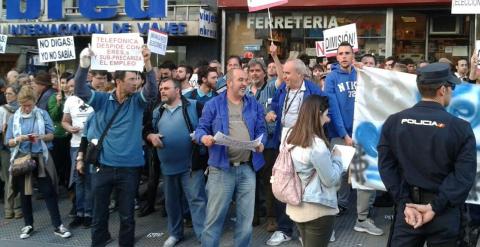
(81, 88)
(150, 90)
(278, 65)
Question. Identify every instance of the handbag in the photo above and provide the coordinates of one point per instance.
(23, 164)
(92, 153)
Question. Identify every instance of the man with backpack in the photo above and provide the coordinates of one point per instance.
(173, 123)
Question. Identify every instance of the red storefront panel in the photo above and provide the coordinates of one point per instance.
(336, 3)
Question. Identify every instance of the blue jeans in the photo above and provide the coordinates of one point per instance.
(125, 181)
(222, 186)
(83, 187)
(192, 185)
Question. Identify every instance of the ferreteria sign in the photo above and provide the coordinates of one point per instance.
(185, 28)
(292, 22)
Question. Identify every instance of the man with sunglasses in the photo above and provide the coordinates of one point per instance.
(427, 161)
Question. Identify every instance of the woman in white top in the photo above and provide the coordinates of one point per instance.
(318, 170)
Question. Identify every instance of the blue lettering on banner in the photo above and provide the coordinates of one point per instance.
(88, 8)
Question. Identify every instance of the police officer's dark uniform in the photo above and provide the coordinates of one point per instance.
(427, 155)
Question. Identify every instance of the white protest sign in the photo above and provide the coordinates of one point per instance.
(320, 48)
(334, 36)
(3, 43)
(56, 49)
(465, 7)
(117, 52)
(157, 41)
(255, 5)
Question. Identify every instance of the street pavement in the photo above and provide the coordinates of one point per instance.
(152, 230)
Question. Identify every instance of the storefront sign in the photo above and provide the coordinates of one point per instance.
(56, 49)
(320, 48)
(157, 41)
(465, 7)
(251, 47)
(292, 22)
(117, 52)
(208, 24)
(333, 37)
(3, 43)
(87, 29)
(98, 9)
(256, 5)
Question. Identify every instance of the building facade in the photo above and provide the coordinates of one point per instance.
(190, 24)
(415, 29)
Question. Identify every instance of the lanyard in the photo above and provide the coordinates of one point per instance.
(287, 105)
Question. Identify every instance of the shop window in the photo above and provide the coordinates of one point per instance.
(449, 37)
(410, 37)
(295, 32)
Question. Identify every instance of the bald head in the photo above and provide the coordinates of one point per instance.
(12, 76)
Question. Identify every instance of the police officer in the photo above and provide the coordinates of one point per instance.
(427, 161)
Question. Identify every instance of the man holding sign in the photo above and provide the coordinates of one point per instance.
(121, 153)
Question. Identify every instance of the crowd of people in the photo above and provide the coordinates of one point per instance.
(100, 135)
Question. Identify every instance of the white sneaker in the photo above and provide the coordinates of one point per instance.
(332, 237)
(368, 226)
(170, 242)
(62, 232)
(26, 232)
(277, 238)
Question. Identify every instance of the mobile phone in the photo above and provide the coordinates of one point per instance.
(31, 138)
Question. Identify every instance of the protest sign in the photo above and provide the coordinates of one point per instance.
(56, 49)
(320, 48)
(157, 41)
(117, 52)
(3, 43)
(255, 5)
(397, 91)
(334, 36)
(222, 139)
(465, 7)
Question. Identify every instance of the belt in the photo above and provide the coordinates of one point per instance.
(239, 163)
(421, 196)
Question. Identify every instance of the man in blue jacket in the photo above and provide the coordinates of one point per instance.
(285, 107)
(340, 85)
(231, 171)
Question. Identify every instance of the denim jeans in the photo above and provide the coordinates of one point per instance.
(125, 181)
(47, 189)
(83, 187)
(222, 186)
(192, 185)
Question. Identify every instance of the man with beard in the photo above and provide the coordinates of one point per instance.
(173, 122)
(184, 72)
(207, 79)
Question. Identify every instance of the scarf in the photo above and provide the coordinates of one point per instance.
(12, 106)
(39, 128)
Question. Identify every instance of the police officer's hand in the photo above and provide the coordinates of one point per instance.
(426, 211)
(348, 140)
(413, 217)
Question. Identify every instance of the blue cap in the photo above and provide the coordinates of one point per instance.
(436, 73)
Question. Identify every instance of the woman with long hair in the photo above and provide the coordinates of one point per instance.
(319, 172)
(30, 131)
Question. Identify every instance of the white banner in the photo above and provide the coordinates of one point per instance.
(157, 41)
(381, 93)
(3, 43)
(207, 24)
(117, 52)
(56, 49)
(465, 7)
(320, 48)
(255, 5)
(334, 36)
